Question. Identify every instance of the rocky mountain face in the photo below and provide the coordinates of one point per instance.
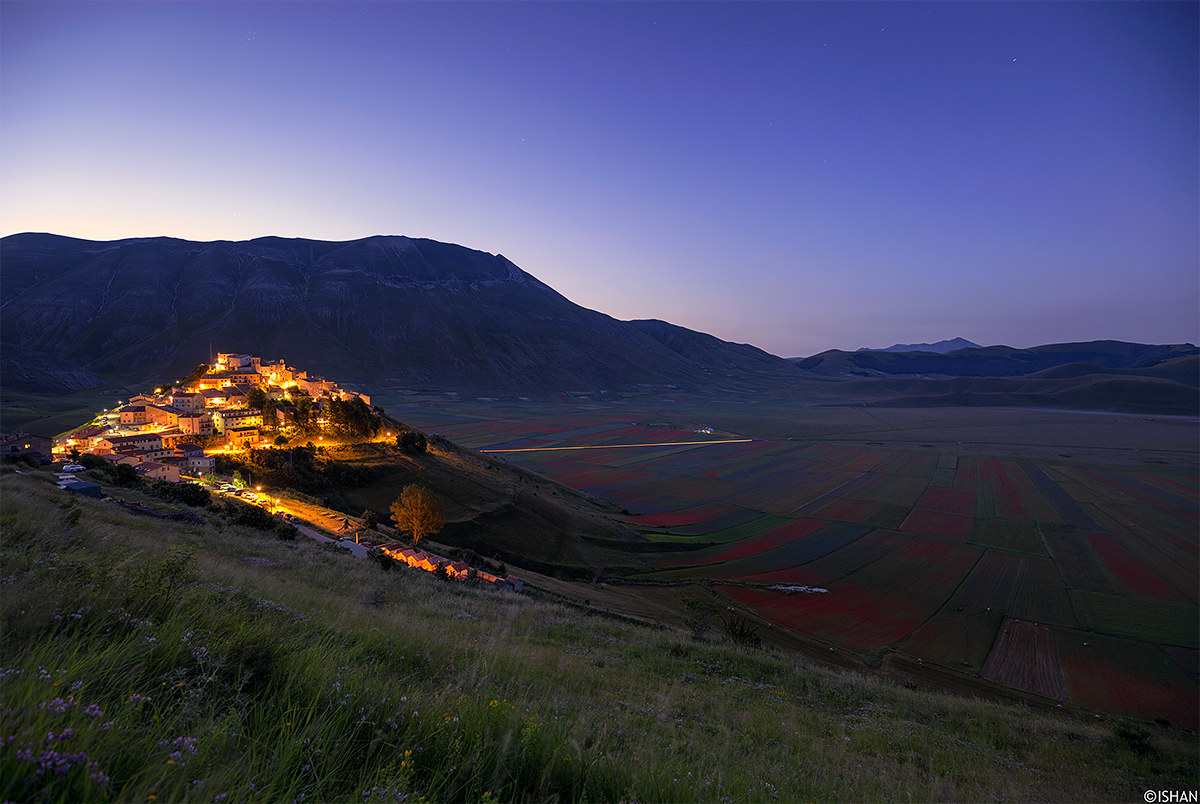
(381, 311)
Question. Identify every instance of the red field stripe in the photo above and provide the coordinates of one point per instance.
(687, 516)
(770, 539)
(857, 618)
(991, 470)
(1117, 676)
(1133, 575)
(951, 501)
(1008, 502)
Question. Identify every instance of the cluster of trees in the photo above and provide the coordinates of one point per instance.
(305, 468)
(353, 419)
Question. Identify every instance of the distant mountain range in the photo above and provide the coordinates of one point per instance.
(940, 347)
(992, 361)
(394, 313)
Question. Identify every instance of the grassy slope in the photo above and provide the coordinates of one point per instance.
(496, 508)
(295, 672)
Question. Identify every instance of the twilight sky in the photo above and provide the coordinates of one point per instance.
(796, 175)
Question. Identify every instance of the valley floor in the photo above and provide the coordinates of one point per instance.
(957, 547)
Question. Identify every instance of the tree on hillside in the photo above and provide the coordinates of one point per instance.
(418, 510)
(255, 397)
(411, 441)
(196, 373)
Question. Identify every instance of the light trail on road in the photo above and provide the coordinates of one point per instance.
(626, 446)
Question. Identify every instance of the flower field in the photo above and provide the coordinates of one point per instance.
(949, 557)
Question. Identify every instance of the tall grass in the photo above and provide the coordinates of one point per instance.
(150, 661)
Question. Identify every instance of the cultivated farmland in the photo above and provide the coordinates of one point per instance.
(995, 558)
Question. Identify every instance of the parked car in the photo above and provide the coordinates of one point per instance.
(73, 467)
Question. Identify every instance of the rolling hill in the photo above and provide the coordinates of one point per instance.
(991, 361)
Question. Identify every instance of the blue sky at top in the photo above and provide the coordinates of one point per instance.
(800, 176)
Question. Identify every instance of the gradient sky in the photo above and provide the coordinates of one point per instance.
(800, 176)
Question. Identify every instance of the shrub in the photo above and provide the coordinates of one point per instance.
(412, 441)
(739, 632)
(249, 515)
(186, 493)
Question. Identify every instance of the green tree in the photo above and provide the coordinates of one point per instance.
(411, 441)
(418, 510)
(256, 397)
(196, 373)
(125, 475)
(238, 480)
(369, 520)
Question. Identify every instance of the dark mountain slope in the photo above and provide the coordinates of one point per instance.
(382, 310)
(712, 353)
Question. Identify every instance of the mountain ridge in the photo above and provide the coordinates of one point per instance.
(384, 309)
(940, 347)
(992, 361)
(392, 314)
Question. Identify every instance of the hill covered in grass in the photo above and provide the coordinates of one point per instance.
(165, 661)
(493, 508)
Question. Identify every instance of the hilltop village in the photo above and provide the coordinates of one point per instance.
(239, 402)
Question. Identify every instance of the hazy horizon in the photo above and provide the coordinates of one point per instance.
(798, 176)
